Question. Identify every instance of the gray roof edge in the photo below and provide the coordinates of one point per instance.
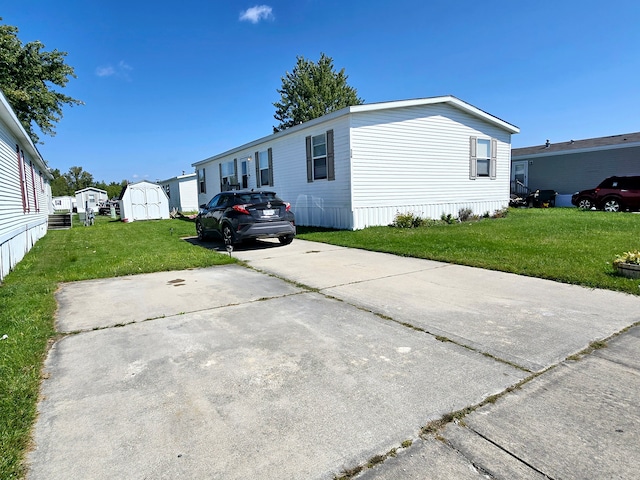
(177, 177)
(456, 102)
(579, 146)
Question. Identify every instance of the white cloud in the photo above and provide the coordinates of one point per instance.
(105, 71)
(257, 13)
(120, 71)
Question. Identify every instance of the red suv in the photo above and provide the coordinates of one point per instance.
(614, 194)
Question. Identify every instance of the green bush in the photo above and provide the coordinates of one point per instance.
(407, 220)
(465, 214)
(448, 218)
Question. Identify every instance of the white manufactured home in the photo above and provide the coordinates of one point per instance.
(90, 197)
(360, 166)
(182, 192)
(25, 191)
(64, 203)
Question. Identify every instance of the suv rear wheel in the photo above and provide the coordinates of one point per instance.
(286, 239)
(611, 205)
(200, 231)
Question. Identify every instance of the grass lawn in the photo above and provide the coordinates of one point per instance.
(563, 244)
(566, 245)
(27, 304)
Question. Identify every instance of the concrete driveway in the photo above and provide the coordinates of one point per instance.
(319, 360)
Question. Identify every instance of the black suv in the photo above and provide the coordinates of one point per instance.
(239, 215)
(614, 194)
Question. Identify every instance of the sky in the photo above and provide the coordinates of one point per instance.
(169, 83)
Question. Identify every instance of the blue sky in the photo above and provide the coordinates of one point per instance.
(166, 84)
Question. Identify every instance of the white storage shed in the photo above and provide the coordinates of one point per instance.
(143, 201)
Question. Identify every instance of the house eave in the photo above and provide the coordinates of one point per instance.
(11, 120)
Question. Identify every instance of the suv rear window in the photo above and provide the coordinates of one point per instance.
(258, 197)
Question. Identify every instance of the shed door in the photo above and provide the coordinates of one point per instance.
(145, 203)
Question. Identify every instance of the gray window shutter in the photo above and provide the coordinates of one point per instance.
(494, 156)
(309, 161)
(220, 167)
(473, 164)
(256, 157)
(270, 155)
(235, 170)
(331, 171)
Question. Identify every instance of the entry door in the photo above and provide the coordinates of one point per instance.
(520, 172)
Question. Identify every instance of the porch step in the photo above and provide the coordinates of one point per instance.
(59, 221)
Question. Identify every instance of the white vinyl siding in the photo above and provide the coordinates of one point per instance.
(182, 192)
(323, 203)
(24, 204)
(417, 159)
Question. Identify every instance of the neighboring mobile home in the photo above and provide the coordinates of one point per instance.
(569, 167)
(90, 197)
(64, 203)
(25, 191)
(360, 166)
(182, 192)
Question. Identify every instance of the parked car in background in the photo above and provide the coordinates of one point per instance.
(240, 215)
(104, 208)
(614, 194)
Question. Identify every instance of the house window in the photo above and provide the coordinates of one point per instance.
(263, 158)
(319, 154)
(264, 168)
(227, 174)
(482, 158)
(245, 174)
(320, 157)
(201, 181)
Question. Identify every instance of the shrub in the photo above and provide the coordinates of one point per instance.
(448, 218)
(465, 214)
(500, 213)
(407, 220)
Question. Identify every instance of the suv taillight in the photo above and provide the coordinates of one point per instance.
(287, 206)
(241, 209)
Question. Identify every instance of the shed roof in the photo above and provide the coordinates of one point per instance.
(573, 146)
(448, 99)
(92, 189)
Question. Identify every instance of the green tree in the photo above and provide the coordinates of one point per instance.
(59, 185)
(27, 74)
(312, 90)
(113, 189)
(77, 179)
